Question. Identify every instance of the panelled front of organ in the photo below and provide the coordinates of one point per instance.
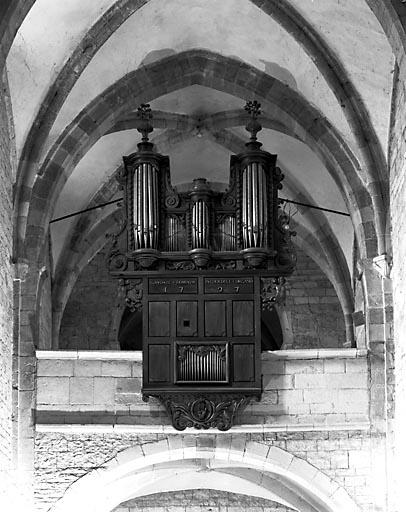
(201, 265)
(205, 329)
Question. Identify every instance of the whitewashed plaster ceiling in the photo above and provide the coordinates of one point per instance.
(232, 28)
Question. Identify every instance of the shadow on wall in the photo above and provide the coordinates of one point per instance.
(280, 73)
(156, 55)
(270, 68)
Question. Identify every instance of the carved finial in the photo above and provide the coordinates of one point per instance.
(253, 108)
(253, 126)
(144, 114)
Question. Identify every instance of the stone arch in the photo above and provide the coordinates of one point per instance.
(92, 242)
(391, 16)
(71, 264)
(292, 480)
(202, 67)
(42, 344)
(216, 126)
(12, 15)
(291, 20)
(286, 326)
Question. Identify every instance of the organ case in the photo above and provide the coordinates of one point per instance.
(196, 264)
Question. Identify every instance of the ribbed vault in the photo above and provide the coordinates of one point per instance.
(317, 86)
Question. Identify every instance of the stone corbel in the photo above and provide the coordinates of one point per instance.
(383, 265)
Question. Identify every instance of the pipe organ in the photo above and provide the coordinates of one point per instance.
(201, 265)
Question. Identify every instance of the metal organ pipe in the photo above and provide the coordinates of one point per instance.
(227, 235)
(201, 367)
(145, 214)
(254, 206)
(200, 225)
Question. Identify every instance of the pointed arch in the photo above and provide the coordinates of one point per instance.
(173, 73)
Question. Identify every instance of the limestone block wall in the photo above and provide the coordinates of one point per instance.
(397, 154)
(91, 317)
(6, 282)
(89, 409)
(313, 309)
(44, 307)
(200, 500)
(344, 458)
(313, 316)
(315, 388)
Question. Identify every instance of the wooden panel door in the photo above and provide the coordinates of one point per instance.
(215, 319)
(159, 363)
(243, 318)
(159, 322)
(243, 362)
(186, 318)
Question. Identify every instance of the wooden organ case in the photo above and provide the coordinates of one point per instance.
(201, 266)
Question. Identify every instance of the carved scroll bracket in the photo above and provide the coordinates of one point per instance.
(212, 410)
(131, 290)
(273, 291)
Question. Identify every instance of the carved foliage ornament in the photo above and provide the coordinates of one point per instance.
(203, 412)
(273, 292)
(213, 265)
(132, 291)
(202, 350)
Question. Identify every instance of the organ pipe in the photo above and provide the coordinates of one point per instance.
(226, 239)
(145, 211)
(254, 206)
(207, 366)
(200, 225)
(200, 214)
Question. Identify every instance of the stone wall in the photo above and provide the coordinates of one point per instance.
(313, 388)
(313, 309)
(43, 338)
(91, 317)
(398, 216)
(6, 283)
(62, 458)
(89, 409)
(313, 317)
(200, 500)
(45, 314)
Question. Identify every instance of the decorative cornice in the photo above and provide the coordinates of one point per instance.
(136, 355)
(66, 428)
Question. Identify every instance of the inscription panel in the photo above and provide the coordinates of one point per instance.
(229, 285)
(172, 286)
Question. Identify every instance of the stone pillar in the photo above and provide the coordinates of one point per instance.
(6, 295)
(397, 161)
(376, 319)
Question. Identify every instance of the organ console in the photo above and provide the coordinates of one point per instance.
(201, 265)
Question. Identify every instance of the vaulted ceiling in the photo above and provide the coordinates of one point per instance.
(322, 70)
